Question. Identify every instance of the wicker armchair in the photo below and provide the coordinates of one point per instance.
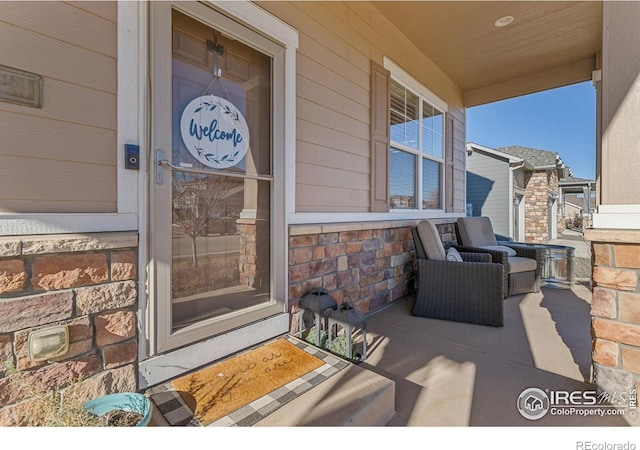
(522, 263)
(467, 291)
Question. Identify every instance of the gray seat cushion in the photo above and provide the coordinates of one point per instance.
(430, 239)
(501, 248)
(519, 264)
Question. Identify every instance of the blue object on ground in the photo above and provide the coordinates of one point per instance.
(126, 401)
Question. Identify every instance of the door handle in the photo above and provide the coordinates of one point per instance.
(159, 167)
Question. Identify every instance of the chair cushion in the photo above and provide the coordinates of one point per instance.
(501, 248)
(476, 231)
(431, 242)
(453, 255)
(519, 264)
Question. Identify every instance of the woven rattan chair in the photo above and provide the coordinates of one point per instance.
(466, 290)
(522, 263)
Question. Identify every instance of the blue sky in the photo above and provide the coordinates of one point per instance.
(560, 120)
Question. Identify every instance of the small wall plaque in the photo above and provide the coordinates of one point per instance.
(20, 87)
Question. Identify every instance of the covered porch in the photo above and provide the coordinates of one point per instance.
(335, 64)
(422, 372)
(459, 374)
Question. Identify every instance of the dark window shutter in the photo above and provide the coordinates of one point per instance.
(380, 77)
(448, 158)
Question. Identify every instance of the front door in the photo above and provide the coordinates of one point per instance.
(212, 211)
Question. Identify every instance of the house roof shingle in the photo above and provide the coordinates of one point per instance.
(575, 180)
(538, 158)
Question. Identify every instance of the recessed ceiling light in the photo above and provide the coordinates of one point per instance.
(503, 21)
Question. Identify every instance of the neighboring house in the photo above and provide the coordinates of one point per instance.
(517, 187)
(578, 201)
(571, 211)
(342, 123)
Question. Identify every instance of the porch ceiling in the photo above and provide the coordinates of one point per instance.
(549, 43)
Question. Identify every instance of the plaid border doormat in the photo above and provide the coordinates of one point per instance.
(177, 413)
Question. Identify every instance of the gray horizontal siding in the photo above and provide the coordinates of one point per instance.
(488, 189)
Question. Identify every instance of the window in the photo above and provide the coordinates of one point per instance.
(417, 150)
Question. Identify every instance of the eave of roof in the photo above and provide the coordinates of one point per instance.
(492, 151)
(575, 180)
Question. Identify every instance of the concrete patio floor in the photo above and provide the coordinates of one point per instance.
(458, 374)
(451, 374)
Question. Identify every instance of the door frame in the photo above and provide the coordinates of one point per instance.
(517, 208)
(166, 349)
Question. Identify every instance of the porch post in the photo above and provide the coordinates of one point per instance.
(615, 236)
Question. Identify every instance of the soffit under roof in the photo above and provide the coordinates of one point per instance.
(549, 43)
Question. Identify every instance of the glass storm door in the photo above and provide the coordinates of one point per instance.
(212, 196)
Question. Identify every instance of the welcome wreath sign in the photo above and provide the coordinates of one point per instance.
(214, 131)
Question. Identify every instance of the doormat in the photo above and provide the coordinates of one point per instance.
(246, 388)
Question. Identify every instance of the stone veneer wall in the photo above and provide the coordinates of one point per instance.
(615, 309)
(370, 264)
(538, 185)
(86, 281)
